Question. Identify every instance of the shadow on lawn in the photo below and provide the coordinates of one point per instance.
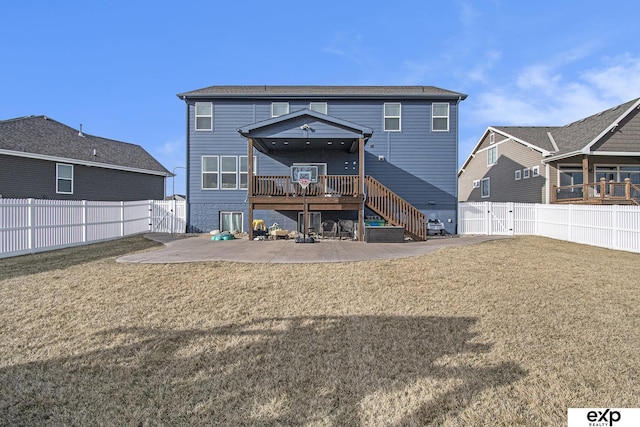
(63, 258)
(293, 371)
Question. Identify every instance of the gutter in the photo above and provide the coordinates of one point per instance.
(83, 162)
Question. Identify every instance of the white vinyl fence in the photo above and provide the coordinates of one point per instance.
(613, 227)
(31, 225)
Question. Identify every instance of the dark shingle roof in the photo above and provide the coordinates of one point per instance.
(323, 91)
(572, 137)
(538, 136)
(46, 137)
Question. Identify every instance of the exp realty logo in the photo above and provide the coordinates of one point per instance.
(603, 417)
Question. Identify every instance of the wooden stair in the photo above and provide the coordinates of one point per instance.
(394, 209)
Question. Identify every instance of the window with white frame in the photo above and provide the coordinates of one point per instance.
(64, 179)
(204, 116)
(209, 172)
(492, 138)
(485, 187)
(228, 172)
(392, 116)
(244, 170)
(320, 107)
(231, 222)
(518, 175)
(279, 109)
(492, 156)
(535, 171)
(476, 183)
(526, 173)
(440, 117)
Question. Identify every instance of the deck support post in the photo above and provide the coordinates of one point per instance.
(250, 185)
(361, 184)
(585, 177)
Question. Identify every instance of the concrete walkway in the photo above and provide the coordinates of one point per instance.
(201, 248)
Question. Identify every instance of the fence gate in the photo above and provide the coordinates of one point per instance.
(500, 219)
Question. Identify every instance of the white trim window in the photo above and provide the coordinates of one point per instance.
(210, 172)
(318, 107)
(440, 117)
(244, 171)
(535, 171)
(229, 172)
(492, 138)
(64, 178)
(526, 173)
(204, 116)
(476, 183)
(279, 109)
(232, 222)
(485, 188)
(392, 116)
(518, 175)
(492, 156)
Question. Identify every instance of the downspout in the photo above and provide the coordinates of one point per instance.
(455, 231)
(187, 166)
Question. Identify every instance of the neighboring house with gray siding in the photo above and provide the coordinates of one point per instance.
(45, 159)
(593, 160)
(396, 143)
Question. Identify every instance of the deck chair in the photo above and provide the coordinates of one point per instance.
(346, 228)
(329, 229)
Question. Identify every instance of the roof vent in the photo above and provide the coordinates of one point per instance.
(80, 131)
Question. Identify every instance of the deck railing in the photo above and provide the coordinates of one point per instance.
(598, 192)
(394, 209)
(327, 185)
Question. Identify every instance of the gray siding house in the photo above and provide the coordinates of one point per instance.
(44, 159)
(385, 151)
(594, 160)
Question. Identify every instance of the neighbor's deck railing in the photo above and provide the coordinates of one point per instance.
(327, 185)
(597, 192)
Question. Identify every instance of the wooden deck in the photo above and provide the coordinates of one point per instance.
(598, 193)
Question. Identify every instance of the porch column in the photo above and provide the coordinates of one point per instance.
(250, 185)
(362, 187)
(585, 177)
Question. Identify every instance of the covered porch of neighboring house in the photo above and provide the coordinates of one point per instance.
(307, 138)
(598, 181)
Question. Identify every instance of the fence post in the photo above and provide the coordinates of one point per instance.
(512, 220)
(30, 224)
(121, 219)
(487, 211)
(150, 220)
(84, 221)
(614, 225)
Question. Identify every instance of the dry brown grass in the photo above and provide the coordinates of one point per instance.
(511, 332)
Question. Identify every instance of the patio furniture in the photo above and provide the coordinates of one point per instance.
(346, 228)
(328, 229)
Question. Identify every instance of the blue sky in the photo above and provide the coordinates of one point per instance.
(117, 66)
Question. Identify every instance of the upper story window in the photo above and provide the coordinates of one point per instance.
(492, 156)
(492, 138)
(209, 172)
(204, 116)
(64, 179)
(279, 109)
(392, 116)
(320, 107)
(440, 117)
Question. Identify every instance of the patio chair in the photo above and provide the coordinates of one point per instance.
(329, 229)
(346, 228)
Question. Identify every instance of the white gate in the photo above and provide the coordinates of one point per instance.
(500, 219)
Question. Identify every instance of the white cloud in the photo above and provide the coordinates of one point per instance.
(554, 94)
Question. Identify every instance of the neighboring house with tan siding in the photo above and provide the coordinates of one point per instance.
(593, 160)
